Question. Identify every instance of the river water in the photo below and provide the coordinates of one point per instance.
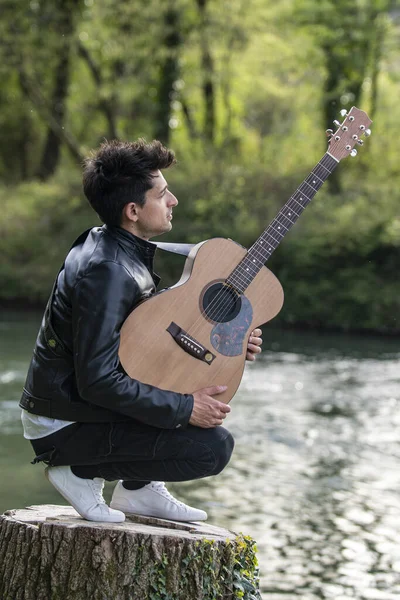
(315, 475)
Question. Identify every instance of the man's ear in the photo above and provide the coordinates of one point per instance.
(130, 212)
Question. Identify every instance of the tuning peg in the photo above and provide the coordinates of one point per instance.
(367, 132)
(336, 123)
(329, 132)
(353, 152)
(343, 112)
(360, 142)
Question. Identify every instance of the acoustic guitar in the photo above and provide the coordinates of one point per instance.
(195, 333)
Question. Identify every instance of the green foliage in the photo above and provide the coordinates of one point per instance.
(37, 227)
(340, 270)
(246, 571)
(275, 72)
(158, 581)
(213, 571)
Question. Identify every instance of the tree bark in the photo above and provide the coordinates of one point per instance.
(50, 553)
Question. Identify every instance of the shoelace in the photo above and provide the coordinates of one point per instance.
(97, 486)
(159, 486)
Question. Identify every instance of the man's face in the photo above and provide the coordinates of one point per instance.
(154, 218)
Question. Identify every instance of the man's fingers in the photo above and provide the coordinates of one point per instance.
(224, 408)
(220, 412)
(256, 332)
(253, 348)
(215, 389)
(207, 410)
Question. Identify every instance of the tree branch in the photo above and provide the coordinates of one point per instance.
(36, 97)
(106, 105)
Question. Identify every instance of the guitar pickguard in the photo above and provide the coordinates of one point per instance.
(227, 338)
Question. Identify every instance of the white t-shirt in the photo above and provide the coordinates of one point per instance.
(36, 426)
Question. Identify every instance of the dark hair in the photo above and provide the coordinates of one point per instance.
(121, 172)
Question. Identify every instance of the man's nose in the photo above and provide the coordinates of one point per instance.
(173, 200)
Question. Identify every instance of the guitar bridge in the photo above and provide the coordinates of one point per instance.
(189, 344)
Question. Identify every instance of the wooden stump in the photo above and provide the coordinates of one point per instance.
(50, 553)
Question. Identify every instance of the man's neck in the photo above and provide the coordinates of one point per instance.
(134, 231)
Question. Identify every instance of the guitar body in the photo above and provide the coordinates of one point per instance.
(207, 343)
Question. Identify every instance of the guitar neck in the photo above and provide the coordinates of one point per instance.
(261, 250)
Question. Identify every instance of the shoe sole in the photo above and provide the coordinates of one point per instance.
(71, 502)
(131, 512)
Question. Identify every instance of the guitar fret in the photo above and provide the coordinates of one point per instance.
(271, 236)
(313, 188)
(281, 224)
(263, 248)
(243, 278)
(314, 177)
(281, 215)
(255, 251)
(309, 185)
(321, 180)
(265, 240)
(250, 268)
(247, 277)
(323, 166)
(290, 212)
(298, 203)
(252, 261)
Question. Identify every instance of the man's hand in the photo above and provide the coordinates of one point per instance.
(254, 344)
(208, 412)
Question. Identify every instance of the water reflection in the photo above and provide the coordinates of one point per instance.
(315, 474)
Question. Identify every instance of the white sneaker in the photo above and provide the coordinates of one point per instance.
(85, 495)
(154, 500)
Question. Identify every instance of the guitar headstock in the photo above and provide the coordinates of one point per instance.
(348, 133)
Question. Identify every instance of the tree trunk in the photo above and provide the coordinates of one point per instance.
(193, 133)
(207, 65)
(169, 73)
(380, 30)
(33, 93)
(331, 106)
(52, 147)
(50, 553)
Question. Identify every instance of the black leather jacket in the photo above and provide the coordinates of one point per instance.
(75, 373)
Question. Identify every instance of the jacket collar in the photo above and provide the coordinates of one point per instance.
(131, 243)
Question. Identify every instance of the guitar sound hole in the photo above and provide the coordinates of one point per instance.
(221, 303)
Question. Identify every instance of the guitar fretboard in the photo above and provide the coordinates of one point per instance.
(269, 240)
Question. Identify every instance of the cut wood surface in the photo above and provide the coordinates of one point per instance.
(50, 553)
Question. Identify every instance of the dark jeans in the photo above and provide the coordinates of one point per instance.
(133, 451)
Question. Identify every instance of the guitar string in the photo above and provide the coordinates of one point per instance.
(219, 303)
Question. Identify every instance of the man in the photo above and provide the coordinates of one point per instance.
(85, 417)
